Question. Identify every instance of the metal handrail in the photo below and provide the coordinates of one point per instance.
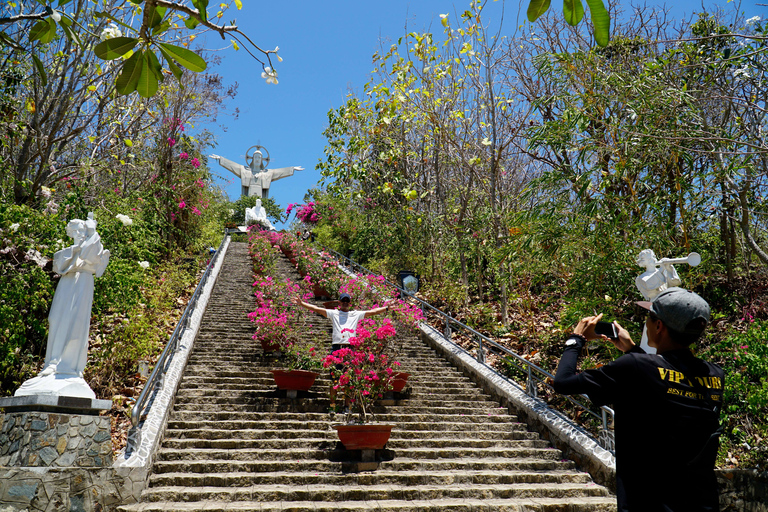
(535, 375)
(157, 377)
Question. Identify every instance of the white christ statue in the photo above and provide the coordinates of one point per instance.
(255, 179)
(70, 316)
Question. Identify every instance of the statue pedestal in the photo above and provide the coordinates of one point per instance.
(55, 431)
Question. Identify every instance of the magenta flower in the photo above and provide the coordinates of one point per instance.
(171, 141)
(182, 204)
(184, 155)
(195, 163)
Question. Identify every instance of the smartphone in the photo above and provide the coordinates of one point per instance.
(608, 329)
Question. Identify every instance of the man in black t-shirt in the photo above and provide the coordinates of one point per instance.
(667, 406)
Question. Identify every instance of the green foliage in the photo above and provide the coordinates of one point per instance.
(137, 55)
(573, 12)
(744, 357)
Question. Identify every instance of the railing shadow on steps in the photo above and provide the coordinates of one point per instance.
(535, 376)
(157, 377)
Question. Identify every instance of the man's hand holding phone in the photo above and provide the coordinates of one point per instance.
(592, 327)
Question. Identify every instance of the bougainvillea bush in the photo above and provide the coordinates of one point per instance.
(278, 322)
(364, 371)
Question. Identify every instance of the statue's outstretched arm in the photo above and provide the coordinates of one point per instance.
(228, 164)
(284, 172)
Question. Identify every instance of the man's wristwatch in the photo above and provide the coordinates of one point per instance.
(573, 340)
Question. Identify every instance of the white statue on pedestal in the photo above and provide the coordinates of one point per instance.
(255, 178)
(655, 280)
(70, 316)
(257, 215)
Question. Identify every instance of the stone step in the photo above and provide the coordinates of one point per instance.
(372, 492)
(184, 421)
(514, 431)
(380, 477)
(312, 440)
(581, 504)
(321, 450)
(427, 422)
(399, 463)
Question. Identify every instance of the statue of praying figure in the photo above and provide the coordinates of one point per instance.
(258, 215)
(70, 316)
(255, 179)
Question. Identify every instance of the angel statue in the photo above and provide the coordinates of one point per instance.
(658, 276)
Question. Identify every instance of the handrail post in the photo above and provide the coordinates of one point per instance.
(480, 350)
(607, 439)
(447, 331)
(530, 384)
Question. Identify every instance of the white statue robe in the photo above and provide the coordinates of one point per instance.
(258, 184)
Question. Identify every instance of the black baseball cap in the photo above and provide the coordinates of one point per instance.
(344, 296)
(681, 310)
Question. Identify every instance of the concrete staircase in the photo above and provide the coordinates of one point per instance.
(234, 442)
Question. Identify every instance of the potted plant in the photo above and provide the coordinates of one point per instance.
(363, 373)
(300, 355)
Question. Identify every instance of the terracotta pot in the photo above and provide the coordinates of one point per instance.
(270, 346)
(398, 383)
(319, 291)
(363, 437)
(299, 380)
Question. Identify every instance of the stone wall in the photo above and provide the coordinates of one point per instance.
(743, 490)
(44, 439)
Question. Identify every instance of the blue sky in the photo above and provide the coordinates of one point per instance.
(327, 48)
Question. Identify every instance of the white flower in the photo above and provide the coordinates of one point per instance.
(741, 73)
(15, 226)
(56, 16)
(753, 20)
(144, 264)
(269, 75)
(45, 192)
(110, 32)
(126, 220)
(231, 212)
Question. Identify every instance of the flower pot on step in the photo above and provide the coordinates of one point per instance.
(297, 380)
(399, 382)
(270, 346)
(364, 437)
(319, 291)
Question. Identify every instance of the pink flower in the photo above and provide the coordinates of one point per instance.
(195, 163)
(171, 141)
(182, 204)
(184, 156)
